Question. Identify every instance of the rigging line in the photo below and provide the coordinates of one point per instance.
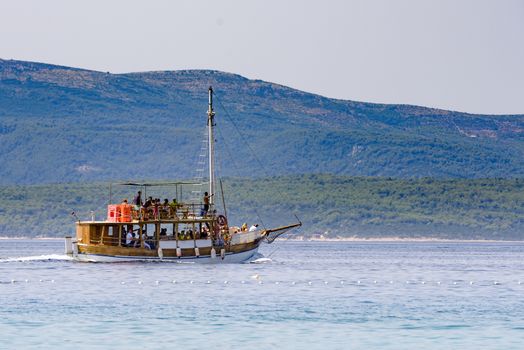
(242, 137)
(224, 142)
(218, 170)
(200, 168)
(219, 99)
(226, 112)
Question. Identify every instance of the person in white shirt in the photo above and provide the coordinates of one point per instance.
(144, 238)
(129, 238)
(253, 227)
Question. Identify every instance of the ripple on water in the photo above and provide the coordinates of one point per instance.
(309, 297)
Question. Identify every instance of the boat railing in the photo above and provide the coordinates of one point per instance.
(182, 211)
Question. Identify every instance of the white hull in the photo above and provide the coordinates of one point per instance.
(229, 258)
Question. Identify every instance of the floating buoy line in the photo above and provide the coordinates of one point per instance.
(257, 280)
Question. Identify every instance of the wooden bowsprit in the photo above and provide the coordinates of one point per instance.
(272, 234)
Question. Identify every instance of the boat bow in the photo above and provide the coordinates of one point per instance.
(274, 233)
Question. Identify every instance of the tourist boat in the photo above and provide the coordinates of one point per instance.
(182, 232)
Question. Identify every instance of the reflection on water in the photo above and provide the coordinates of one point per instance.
(319, 295)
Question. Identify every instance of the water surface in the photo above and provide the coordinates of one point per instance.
(316, 295)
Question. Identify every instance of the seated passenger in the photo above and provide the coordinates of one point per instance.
(204, 233)
(253, 227)
(130, 239)
(147, 243)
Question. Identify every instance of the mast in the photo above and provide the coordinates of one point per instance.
(211, 141)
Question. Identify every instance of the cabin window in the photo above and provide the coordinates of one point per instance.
(95, 234)
(110, 235)
(149, 230)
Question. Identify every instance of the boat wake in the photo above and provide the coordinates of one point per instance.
(48, 257)
(261, 261)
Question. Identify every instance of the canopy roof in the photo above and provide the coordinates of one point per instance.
(152, 184)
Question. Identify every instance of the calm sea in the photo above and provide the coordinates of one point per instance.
(311, 295)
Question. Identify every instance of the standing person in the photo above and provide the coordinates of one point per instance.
(156, 208)
(137, 203)
(206, 203)
(147, 208)
(138, 199)
(172, 208)
(165, 208)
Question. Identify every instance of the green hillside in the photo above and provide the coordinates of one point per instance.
(60, 124)
(327, 204)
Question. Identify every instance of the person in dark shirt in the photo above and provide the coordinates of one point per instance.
(138, 199)
(206, 203)
(148, 207)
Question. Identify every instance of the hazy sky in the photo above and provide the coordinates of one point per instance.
(452, 54)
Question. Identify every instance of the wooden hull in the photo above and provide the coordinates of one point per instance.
(99, 253)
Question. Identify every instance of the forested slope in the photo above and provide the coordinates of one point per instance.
(330, 205)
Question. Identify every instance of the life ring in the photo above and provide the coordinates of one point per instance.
(222, 221)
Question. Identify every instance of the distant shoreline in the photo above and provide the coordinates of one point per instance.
(394, 239)
(340, 239)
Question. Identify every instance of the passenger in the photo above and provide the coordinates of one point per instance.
(124, 201)
(156, 208)
(137, 201)
(204, 233)
(163, 232)
(123, 236)
(148, 207)
(145, 238)
(130, 239)
(244, 227)
(206, 203)
(172, 208)
(253, 228)
(164, 210)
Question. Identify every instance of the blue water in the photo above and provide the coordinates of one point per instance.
(314, 295)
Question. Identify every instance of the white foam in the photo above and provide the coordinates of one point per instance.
(261, 261)
(48, 257)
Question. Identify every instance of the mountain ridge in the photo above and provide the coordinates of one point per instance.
(73, 124)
